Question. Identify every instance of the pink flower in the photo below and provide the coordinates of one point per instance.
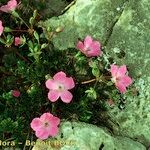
(59, 86)
(89, 47)
(16, 93)
(45, 126)
(18, 41)
(1, 28)
(11, 5)
(120, 78)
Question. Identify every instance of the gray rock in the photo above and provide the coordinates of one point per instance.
(131, 35)
(93, 17)
(81, 136)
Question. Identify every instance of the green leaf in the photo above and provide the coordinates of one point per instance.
(36, 47)
(2, 41)
(95, 72)
(30, 44)
(91, 93)
(44, 46)
(7, 29)
(9, 40)
(35, 14)
(36, 36)
(31, 20)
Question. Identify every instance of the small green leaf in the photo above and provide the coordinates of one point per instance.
(36, 47)
(2, 41)
(36, 36)
(95, 72)
(31, 20)
(30, 44)
(7, 29)
(44, 46)
(35, 14)
(91, 93)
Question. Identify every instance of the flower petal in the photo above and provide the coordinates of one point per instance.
(1, 28)
(88, 41)
(95, 49)
(36, 124)
(121, 87)
(114, 70)
(126, 80)
(42, 134)
(122, 70)
(66, 96)
(80, 46)
(53, 95)
(46, 117)
(11, 5)
(4, 8)
(60, 76)
(69, 83)
(51, 84)
(53, 131)
(55, 121)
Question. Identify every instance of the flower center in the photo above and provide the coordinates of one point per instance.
(60, 87)
(46, 124)
(115, 79)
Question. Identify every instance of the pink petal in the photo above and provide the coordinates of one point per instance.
(11, 5)
(69, 83)
(114, 70)
(53, 131)
(95, 49)
(16, 93)
(53, 95)
(88, 41)
(51, 84)
(55, 121)
(42, 134)
(17, 41)
(122, 70)
(36, 124)
(121, 87)
(4, 8)
(80, 46)
(1, 28)
(46, 117)
(126, 80)
(60, 76)
(66, 96)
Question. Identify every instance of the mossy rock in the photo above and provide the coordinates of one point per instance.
(82, 136)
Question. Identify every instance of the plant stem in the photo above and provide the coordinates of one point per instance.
(22, 57)
(23, 21)
(19, 31)
(88, 81)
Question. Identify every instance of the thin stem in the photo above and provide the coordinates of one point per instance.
(23, 21)
(22, 57)
(26, 139)
(4, 36)
(88, 81)
(108, 77)
(53, 108)
(19, 31)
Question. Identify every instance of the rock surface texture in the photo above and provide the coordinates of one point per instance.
(81, 136)
(122, 26)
